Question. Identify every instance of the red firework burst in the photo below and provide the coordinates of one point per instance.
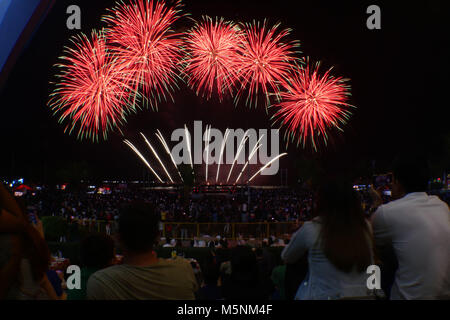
(313, 104)
(142, 36)
(91, 92)
(212, 56)
(265, 61)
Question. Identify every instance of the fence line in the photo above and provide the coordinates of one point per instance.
(191, 230)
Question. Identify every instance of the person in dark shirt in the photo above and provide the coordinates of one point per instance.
(244, 282)
(97, 252)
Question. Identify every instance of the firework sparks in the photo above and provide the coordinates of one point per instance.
(142, 37)
(252, 153)
(208, 137)
(267, 164)
(132, 147)
(241, 146)
(222, 147)
(312, 104)
(91, 92)
(212, 55)
(188, 142)
(157, 157)
(166, 147)
(265, 61)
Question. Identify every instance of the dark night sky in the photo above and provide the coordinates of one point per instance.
(397, 78)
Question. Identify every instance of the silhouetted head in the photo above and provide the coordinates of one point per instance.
(138, 227)
(411, 173)
(97, 251)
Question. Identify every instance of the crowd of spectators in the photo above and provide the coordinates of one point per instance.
(326, 258)
(271, 205)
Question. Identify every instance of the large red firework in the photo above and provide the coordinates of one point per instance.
(212, 56)
(91, 93)
(312, 104)
(142, 37)
(265, 61)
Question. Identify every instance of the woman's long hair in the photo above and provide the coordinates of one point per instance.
(345, 234)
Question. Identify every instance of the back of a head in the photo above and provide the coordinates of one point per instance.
(210, 270)
(138, 227)
(411, 170)
(97, 251)
(243, 260)
(344, 230)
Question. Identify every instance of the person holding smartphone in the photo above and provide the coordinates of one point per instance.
(24, 257)
(416, 228)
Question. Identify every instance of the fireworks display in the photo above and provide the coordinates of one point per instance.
(212, 56)
(132, 147)
(157, 157)
(148, 49)
(166, 148)
(205, 155)
(222, 147)
(266, 165)
(312, 104)
(252, 154)
(240, 148)
(138, 58)
(91, 94)
(265, 61)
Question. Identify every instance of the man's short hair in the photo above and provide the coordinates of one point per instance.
(411, 169)
(138, 226)
(97, 250)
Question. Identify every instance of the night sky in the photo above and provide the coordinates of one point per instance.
(397, 74)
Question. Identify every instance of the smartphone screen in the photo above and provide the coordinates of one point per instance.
(32, 218)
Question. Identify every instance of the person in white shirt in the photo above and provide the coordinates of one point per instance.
(416, 227)
(338, 245)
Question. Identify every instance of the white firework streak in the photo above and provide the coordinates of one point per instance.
(238, 152)
(128, 143)
(255, 148)
(157, 157)
(268, 164)
(221, 152)
(208, 136)
(166, 147)
(186, 133)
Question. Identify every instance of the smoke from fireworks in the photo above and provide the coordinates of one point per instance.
(142, 36)
(211, 48)
(265, 61)
(91, 93)
(312, 104)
